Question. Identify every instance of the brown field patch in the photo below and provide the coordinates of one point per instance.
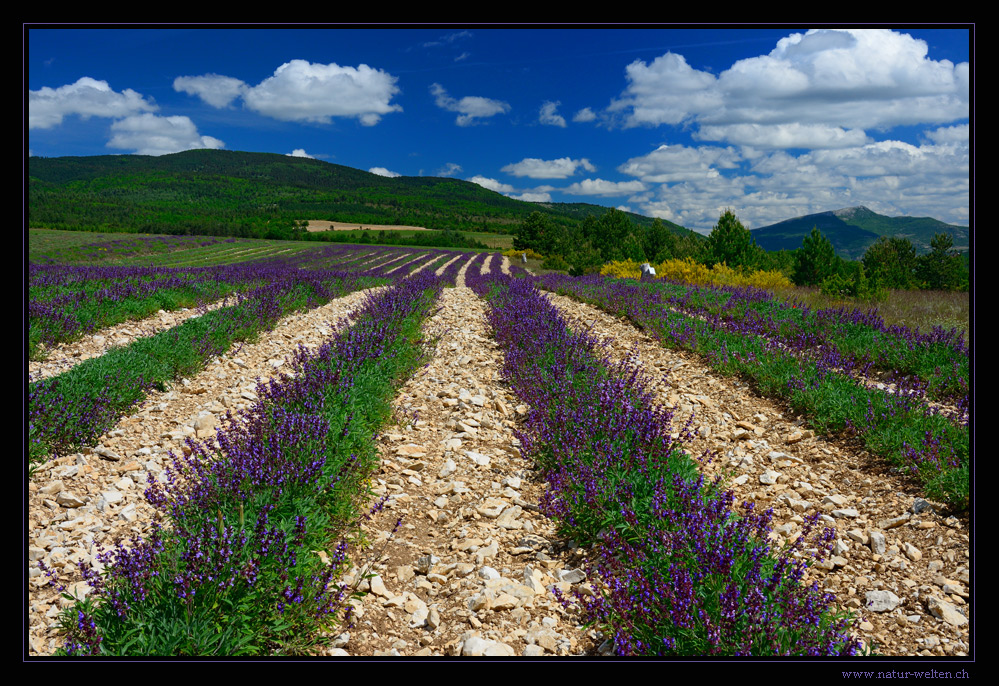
(318, 225)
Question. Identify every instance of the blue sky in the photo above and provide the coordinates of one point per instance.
(682, 123)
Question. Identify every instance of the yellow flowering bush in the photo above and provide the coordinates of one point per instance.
(685, 270)
(689, 271)
(622, 269)
(530, 253)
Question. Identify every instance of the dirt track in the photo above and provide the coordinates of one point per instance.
(317, 225)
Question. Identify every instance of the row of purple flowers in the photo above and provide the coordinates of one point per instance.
(236, 572)
(679, 569)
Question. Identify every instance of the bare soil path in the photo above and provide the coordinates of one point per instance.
(470, 569)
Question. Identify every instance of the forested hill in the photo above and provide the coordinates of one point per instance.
(224, 192)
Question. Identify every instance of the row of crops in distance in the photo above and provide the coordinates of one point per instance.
(904, 393)
(67, 411)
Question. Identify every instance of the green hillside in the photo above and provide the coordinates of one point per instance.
(230, 193)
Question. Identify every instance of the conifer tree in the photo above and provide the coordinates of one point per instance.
(531, 233)
(730, 242)
(815, 261)
(891, 263)
(941, 268)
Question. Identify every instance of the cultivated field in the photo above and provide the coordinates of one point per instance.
(320, 225)
(370, 451)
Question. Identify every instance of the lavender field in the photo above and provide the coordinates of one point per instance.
(369, 451)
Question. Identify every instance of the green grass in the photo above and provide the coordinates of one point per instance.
(920, 310)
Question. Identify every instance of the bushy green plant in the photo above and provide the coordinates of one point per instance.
(855, 285)
(891, 262)
(941, 269)
(555, 262)
(531, 232)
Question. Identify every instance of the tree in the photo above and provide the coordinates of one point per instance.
(585, 259)
(632, 248)
(815, 261)
(531, 232)
(611, 231)
(730, 242)
(941, 269)
(555, 239)
(782, 261)
(891, 263)
(656, 238)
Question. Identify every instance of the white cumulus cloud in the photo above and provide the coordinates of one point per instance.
(823, 88)
(584, 115)
(793, 135)
(667, 91)
(382, 171)
(215, 89)
(299, 152)
(604, 188)
(890, 177)
(672, 163)
(148, 134)
(950, 134)
(535, 168)
(86, 98)
(549, 115)
(309, 92)
(449, 169)
(492, 184)
(470, 108)
(533, 196)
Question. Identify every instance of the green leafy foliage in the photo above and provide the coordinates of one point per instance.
(942, 269)
(852, 282)
(612, 230)
(532, 233)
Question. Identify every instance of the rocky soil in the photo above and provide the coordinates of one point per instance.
(899, 560)
(470, 569)
(65, 356)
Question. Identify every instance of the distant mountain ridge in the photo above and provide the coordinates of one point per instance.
(852, 230)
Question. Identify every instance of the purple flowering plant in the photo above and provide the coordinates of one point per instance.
(234, 569)
(813, 378)
(681, 570)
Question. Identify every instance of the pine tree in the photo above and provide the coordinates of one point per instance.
(891, 263)
(531, 233)
(815, 261)
(941, 268)
(612, 230)
(655, 239)
(730, 242)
